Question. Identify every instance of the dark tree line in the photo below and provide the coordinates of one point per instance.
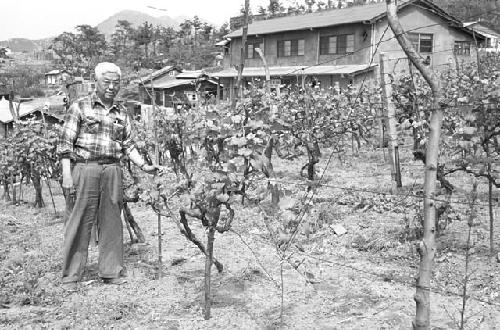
(145, 46)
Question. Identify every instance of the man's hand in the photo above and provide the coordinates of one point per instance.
(67, 182)
(152, 169)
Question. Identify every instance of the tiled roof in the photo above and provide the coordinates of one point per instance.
(295, 71)
(356, 14)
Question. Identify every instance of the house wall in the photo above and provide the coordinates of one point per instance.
(311, 50)
(417, 20)
(52, 79)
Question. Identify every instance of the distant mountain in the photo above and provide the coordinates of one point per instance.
(136, 18)
(21, 45)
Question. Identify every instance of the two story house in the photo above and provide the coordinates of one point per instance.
(341, 46)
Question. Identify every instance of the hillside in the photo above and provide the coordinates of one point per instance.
(21, 45)
(136, 18)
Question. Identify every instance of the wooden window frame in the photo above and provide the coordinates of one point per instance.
(416, 40)
(341, 44)
(295, 50)
(255, 44)
(462, 47)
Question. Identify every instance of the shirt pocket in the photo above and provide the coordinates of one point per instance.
(90, 125)
(118, 132)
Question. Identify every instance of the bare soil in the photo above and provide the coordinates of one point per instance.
(363, 279)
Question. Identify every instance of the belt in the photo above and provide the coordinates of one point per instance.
(98, 162)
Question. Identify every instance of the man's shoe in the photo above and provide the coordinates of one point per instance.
(115, 281)
(70, 286)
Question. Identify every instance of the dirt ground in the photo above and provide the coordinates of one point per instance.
(363, 279)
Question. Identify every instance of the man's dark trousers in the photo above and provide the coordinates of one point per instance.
(99, 196)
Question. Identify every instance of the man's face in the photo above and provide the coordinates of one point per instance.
(108, 85)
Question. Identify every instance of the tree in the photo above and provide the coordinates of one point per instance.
(467, 10)
(310, 4)
(427, 248)
(91, 45)
(121, 38)
(167, 37)
(144, 36)
(82, 49)
(275, 8)
(64, 45)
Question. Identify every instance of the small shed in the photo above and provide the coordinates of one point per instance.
(57, 77)
(186, 90)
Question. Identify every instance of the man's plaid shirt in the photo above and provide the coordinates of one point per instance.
(92, 132)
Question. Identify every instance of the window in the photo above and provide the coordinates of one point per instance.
(462, 47)
(251, 46)
(421, 41)
(341, 44)
(291, 47)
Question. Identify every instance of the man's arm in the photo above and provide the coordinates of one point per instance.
(68, 134)
(131, 151)
(138, 160)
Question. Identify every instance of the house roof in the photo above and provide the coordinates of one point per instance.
(358, 14)
(55, 72)
(483, 29)
(27, 108)
(194, 74)
(296, 71)
(6, 116)
(171, 83)
(159, 73)
(166, 84)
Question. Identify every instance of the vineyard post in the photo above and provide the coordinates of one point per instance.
(427, 247)
(390, 120)
(486, 147)
(208, 266)
(266, 69)
(13, 111)
(157, 156)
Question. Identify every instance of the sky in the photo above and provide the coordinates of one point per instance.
(37, 19)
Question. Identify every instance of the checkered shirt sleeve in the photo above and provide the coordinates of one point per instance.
(69, 132)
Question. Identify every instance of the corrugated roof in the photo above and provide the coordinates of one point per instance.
(194, 74)
(295, 70)
(159, 81)
(158, 73)
(170, 83)
(484, 30)
(53, 72)
(6, 116)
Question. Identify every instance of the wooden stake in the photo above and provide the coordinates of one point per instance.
(390, 120)
(208, 268)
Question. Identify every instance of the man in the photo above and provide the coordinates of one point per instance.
(95, 135)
